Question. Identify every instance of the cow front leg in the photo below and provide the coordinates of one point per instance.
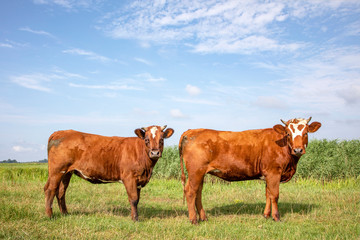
(134, 197)
(272, 190)
(267, 210)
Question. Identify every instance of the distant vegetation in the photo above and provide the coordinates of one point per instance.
(9, 161)
(14, 161)
(324, 160)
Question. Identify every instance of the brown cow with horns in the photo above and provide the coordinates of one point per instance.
(100, 159)
(270, 154)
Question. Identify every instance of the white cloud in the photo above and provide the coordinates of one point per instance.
(215, 26)
(141, 60)
(327, 82)
(42, 81)
(107, 87)
(90, 55)
(38, 32)
(6, 45)
(33, 81)
(28, 147)
(270, 102)
(68, 74)
(22, 149)
(149, 78)
(71, 4)
(176, 113)
(196, 101)
(351, 94)
(192, 90)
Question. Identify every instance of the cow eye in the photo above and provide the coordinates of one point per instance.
(147, 141)
(161, 141)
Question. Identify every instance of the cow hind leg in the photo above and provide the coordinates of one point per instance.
(51, 188)
(192, 192)
(198, 203)
(62, 191)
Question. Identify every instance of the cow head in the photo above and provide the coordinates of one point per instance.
(296, 132)
(154, 139)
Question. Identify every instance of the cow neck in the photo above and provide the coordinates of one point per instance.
(152, 162)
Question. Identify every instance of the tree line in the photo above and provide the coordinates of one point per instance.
(14, 161)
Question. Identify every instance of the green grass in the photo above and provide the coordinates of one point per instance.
(310, 209)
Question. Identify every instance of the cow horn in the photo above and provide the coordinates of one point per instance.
(144, 128)
(283, 122)
(162, 128)
(307, 121)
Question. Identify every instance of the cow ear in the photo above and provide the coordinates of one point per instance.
(279, 129)
(140, 133)
(168, 132)
(314, 126)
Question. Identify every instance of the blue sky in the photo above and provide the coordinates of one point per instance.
(108, 67)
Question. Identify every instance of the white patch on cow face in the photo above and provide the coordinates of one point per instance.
(294, 128)
(153, 131)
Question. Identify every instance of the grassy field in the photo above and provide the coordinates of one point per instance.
(310, 209)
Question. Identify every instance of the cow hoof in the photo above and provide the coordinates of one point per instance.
(204, 219)
(194, 222)
(266, 216)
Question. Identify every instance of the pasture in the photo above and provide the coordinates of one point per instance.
(310, 207)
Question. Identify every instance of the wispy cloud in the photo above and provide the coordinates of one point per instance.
(270, 102)
(328, 81)
(28, 147)
(37, 32)
(43, 81)
(88, 54)
(196, 101)
(6, 45)
(141, 60)
(149, 78)
(215, 26)
(33, 81)
(71, 5)
(106, 87)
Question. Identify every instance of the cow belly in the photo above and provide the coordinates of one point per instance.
(233, 175)
(95, 178)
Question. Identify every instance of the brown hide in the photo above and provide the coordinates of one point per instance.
(100, 159)
(235, 156)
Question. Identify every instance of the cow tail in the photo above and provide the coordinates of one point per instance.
(183, 177)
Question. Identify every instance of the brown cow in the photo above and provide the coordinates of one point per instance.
(270, 154)
(100, 159)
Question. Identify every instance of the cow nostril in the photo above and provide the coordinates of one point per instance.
(298, 150)
(155, 153)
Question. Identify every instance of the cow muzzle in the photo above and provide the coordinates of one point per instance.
(155, 154)
(298, 152)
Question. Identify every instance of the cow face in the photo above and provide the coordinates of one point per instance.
(296, 133)
(154, 139)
